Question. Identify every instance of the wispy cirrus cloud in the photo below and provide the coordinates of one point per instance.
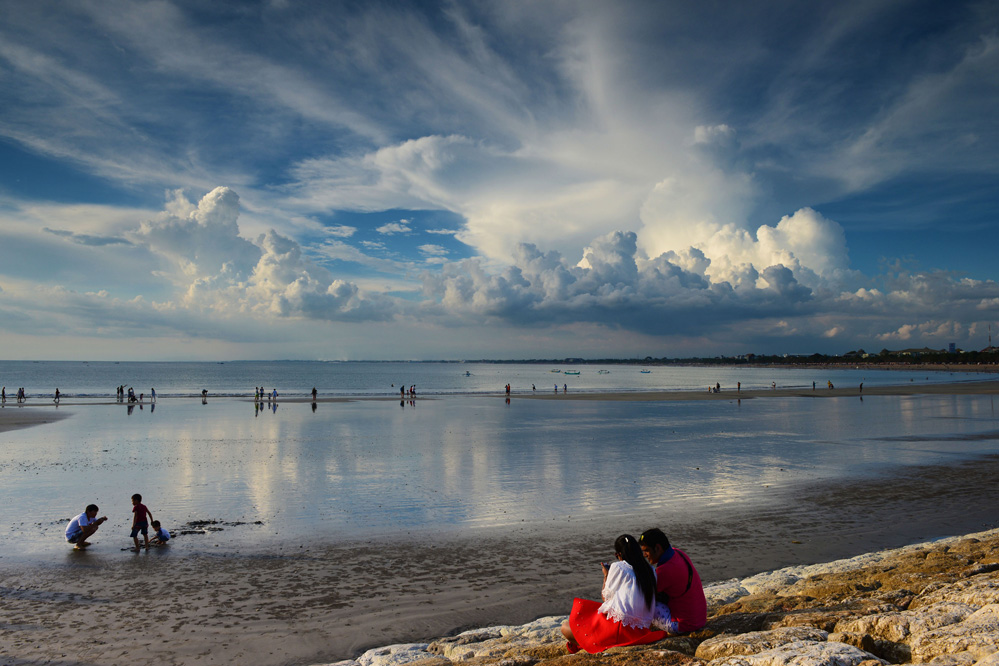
(637, 174)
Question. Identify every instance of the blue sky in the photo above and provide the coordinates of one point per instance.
(347, 180)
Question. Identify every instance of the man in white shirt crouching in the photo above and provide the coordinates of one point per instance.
(83, 526)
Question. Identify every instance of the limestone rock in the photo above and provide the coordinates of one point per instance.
(723, 593)
(960, 659)
(978, 635)
(393, 655)
(498, 642)
(898, 626)
(976, 591)
(862, 641)
(824, 620)
(755, 642)
(991, 660)
(804, 653)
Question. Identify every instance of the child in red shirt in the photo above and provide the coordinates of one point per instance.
(139, 521)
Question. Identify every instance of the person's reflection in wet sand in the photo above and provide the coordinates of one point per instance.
(152, 408)
(274, 408)
(256, 408)
(313, 407)
(130, 408)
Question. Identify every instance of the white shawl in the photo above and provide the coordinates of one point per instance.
(623, 599)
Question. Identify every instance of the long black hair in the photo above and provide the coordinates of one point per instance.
(627, 547)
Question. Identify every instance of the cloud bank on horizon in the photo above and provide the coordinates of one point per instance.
(483, 180)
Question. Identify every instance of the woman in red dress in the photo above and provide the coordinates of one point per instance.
(625, 616)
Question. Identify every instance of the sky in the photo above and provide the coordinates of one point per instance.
(182, 180)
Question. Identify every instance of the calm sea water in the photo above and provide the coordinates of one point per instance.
(91, 380)
(289, 473)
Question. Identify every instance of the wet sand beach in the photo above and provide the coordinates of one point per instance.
(14, 417)
(311, 602)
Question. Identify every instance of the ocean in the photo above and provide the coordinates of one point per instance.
(230, 475)
(99, 379)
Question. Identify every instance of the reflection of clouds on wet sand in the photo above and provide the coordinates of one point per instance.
(356, 469)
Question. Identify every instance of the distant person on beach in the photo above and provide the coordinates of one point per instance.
(160, 535)
(139, 522)
(402, 392)
(3, 395)
(565, 388)
(680, 603)
(534, 388)
(738, 387)
(861, 387)
(83, 526)
(508, 389)
(152, 395)
(314, 394)
(625, 616)
(56, 399)
(556, 389)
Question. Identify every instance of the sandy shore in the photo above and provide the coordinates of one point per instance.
(312, 603)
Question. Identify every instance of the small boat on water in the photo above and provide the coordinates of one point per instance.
(570, 372)
(645, 372)
(603, 372)
(554, 370)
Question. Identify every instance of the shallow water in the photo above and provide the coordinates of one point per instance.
(378, 468)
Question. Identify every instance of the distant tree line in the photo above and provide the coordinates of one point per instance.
(988, 356)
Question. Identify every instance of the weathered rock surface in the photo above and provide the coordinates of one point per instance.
(727, 645)
(935, 603)
(804, 653)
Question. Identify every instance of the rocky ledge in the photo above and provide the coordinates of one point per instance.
(935, 603)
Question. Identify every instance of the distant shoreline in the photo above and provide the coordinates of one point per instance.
(728, 393)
